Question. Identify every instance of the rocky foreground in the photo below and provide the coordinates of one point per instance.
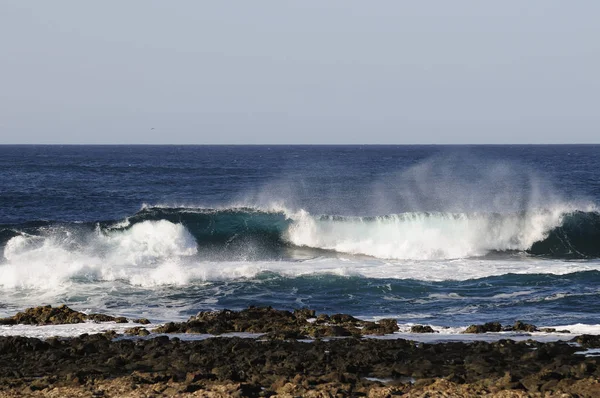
(278, 364)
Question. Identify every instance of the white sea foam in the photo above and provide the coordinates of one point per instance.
(52, 267)
(416, 245)
(590, 352)
(68, 330)
(424, 236)
(442, 334)
(48, 261)
(580, 328)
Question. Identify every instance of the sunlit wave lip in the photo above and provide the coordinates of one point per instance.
(161, 245)
(415, 235)
(560, 231)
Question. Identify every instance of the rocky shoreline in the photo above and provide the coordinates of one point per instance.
(278, 364)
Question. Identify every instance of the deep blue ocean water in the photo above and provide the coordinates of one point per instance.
(442, 235)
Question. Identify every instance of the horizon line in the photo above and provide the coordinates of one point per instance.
(296, 144)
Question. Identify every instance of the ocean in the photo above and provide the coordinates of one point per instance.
(439, 235)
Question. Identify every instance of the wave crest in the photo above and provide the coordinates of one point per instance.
(423, 236)
(154, 243)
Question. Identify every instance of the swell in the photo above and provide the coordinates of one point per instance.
(249, 233)
(578, 236)
(218, 227)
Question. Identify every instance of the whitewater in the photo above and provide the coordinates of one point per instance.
(440, 242)
(433, 246)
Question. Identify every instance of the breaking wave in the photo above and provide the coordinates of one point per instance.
(174, 246)
(156, 233)
(556, 233)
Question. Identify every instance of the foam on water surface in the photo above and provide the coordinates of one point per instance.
(68, 330)
(442, 334)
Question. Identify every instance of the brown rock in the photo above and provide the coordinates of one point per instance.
(100, 318)
(343, 319)
(588, 340)
(524, 327)
(137, 331)
(304, 313)
(46, 315)
(421, 329)
(485, 328)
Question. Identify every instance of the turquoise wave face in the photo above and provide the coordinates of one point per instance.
(430, 234)
(578, 236)
(251, 234)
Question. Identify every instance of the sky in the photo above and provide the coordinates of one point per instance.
(302, 72)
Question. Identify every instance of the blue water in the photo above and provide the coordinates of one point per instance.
(443, 235)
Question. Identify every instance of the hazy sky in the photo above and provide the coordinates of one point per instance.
(251, 72)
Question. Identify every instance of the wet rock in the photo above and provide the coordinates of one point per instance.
(553, 330)
(279, 363)
(485, 328)
(41, 383)
(318, 331)
(142, 321)
(520, 326)
(509, 382)
(343, 319)
(304, 313)
(541, 381)
(100, 318)
(8, 321)
(110, 334)
(169, 327)
(588, 340)
(389, 324)
(137, 331)
(381, 327)
(48, 315)
(322, 318)
(193, 377)
(292, 334)
(277, 324)
(421, 329)
(229, 366)
(251, 320)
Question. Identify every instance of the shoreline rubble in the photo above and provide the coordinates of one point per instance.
(277, 364)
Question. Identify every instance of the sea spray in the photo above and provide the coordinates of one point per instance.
(424, 236)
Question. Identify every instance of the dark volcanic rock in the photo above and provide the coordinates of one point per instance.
(170, 366)
(520, 326)
(381, 327)
(292, 334)
(279, 364)
(137, 331)
(343, 319)
(100, 318)
(487, 327)
(304, 313)
(553, 330)
(251, 320)
(588, 340)
(318, 331)
(278, 324)
(48, 315)
(421, 329)
(93, 365)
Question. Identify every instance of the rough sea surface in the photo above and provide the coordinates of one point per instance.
(438, 235)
